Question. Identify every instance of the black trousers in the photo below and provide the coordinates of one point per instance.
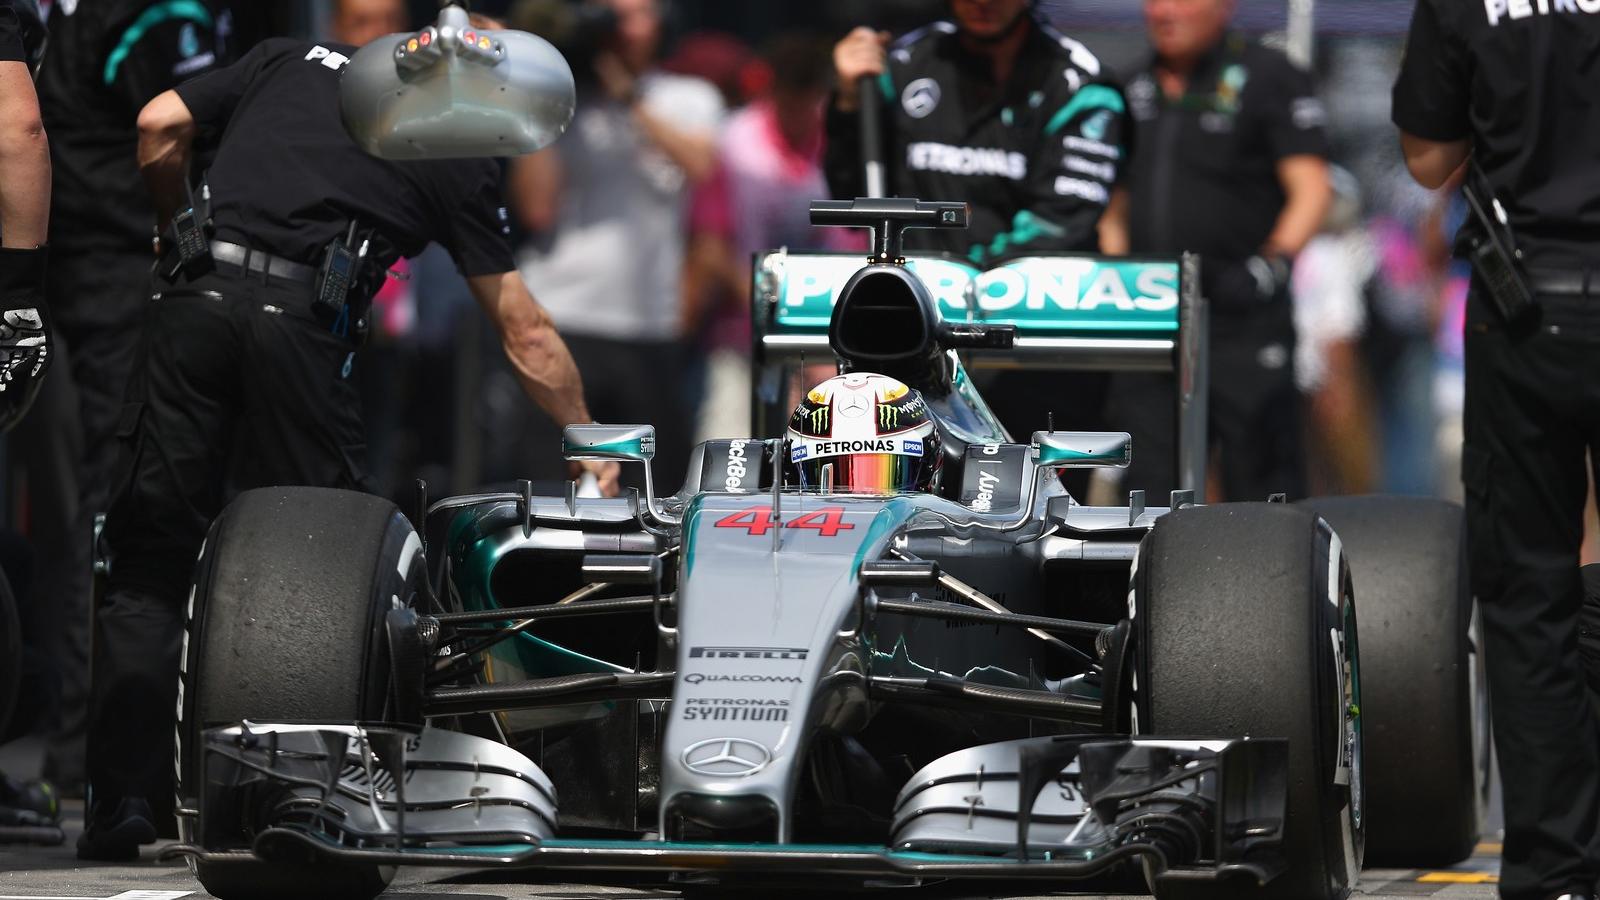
(96, 303)
(1532, 409)
(1253, 413)
(236, 385)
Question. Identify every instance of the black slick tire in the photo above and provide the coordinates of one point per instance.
(1243, 627)
(1424, 703)
(286, 622)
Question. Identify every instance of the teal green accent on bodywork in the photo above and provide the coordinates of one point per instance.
(1045, 295)
(992, 431)
(631, 448)
(707, 847)
(1025, 229)
(897, 662)
(475, 552)
(691, 521)
(886, 85)
(527, 852)
(190, 10)
(1051, 455)
(1092, 97)
(894, 514)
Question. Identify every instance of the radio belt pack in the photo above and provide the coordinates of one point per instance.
(341, 272)
(190, 231)
(1493, 255)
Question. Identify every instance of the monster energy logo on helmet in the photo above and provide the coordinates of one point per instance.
(819, 418)
(889, 414)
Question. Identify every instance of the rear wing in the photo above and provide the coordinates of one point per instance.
(1072, 312)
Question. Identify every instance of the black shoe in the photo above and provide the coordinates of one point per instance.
(116, 836)
(29, 813)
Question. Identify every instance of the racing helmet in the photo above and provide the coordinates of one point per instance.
(863, 434)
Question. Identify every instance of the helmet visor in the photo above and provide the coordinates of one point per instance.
(861, 473)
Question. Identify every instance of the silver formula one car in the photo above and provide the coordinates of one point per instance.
(769, 677)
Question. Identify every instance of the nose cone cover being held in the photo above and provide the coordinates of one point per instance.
(863, 434)
(452, 91)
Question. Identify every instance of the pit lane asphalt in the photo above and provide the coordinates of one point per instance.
(54, 873)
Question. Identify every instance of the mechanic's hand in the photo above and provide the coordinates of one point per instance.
(24, 334)
(1244, 285)
(616, 80)
(1271, 273)
(606, 472)
(859, 55)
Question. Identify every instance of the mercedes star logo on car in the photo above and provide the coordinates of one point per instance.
(726, 757)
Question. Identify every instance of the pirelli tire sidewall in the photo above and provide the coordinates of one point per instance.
(1244, 625)
(286, 621)
(1425, 702)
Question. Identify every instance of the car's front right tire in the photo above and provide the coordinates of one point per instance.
(1244, 626)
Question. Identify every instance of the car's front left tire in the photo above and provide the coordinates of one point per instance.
(287, 622)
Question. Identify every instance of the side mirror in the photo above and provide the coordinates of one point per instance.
(1082, 449)
(621, 443)
(451, 91)
(618, 443)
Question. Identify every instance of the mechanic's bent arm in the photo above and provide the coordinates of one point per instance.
(536, 351)
(24, 162)
(1433, 162)
(543, 363)
(166, 138)
(1308, 195)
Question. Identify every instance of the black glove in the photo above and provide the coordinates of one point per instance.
(1241, 286)
(24, 333)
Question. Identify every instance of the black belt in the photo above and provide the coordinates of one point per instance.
(259, 262)
(1564, 282)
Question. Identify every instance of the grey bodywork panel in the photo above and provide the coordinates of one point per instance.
(513, 97)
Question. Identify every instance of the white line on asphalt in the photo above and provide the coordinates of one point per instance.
(125, 895)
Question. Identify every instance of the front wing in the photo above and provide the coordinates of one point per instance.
(1064, 807)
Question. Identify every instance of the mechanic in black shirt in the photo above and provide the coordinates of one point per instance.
(24, 215)
(1232, 164)
(105, 61)
(1513, 88)
(28, 811)
(243, 380)
(1000, 110)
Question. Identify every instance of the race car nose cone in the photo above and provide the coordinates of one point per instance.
(721, 811)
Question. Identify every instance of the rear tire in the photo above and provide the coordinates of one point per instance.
(1243, 626)
(286, 622)
(1425, 703)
